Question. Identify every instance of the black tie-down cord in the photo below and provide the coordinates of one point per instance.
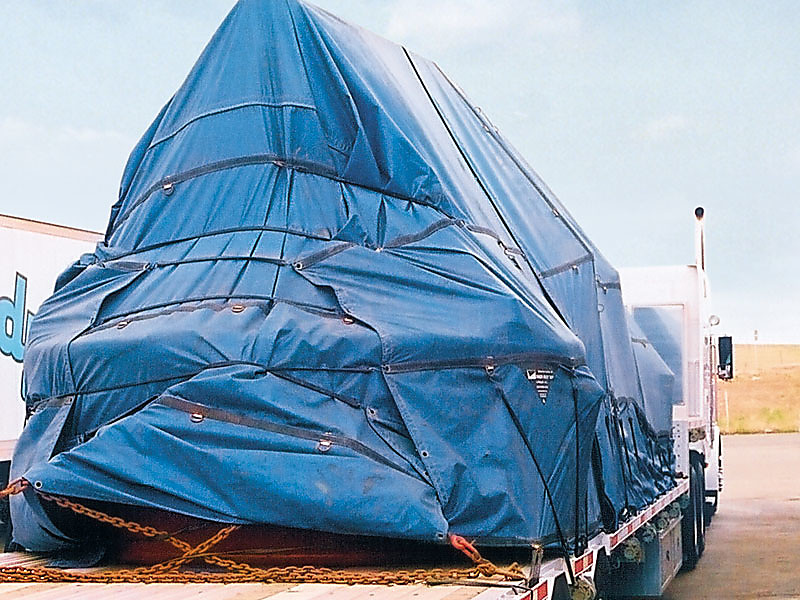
(559, 532)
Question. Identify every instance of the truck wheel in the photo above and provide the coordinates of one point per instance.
(700, 513)
(692, 523)
(689, 534)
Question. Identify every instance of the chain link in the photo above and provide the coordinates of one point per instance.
(15, 487)
(236, 572)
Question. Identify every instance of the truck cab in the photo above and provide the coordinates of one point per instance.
(671, 305)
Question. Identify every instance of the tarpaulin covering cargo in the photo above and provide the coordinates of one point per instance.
(331, 296)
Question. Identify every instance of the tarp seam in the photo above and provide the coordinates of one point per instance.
(225, 109)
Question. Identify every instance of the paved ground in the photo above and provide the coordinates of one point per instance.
(753, 545)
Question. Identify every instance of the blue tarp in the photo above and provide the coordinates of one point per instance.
(331, 296)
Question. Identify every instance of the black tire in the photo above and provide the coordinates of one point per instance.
(700, 512)
(689, 536)
(561, 589)
(692, 523)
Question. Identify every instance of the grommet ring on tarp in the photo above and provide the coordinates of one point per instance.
(489, 366)
(168, 188)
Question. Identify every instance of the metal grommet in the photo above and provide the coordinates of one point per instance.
(324, 445)
(424, 454)
(372, 412)
(197, 417)
(237, 308)
(38, 485)
(440, 535)
(122, 324)
(386, 368)
(168, 188)
(348, 320)
(298, 265)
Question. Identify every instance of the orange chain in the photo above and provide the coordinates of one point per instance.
(167, 572)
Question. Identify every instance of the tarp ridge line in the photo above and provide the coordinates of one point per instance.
(482, 362)
(220, 165)
(305, 166)
(221, 365)
(609, 285)
(278, 372)
(315, 257)
(526, 172)
(224, 109)
(148, 266)
(351, 402)
(226, 231)
(410, 238)
(397, 242)
(566, 266)
(546, 194)
(225, 416)
(466, 160)
(209, 302)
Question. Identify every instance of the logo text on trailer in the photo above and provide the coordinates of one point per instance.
(14, 320)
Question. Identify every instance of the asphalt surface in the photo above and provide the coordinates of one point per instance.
(753, 544)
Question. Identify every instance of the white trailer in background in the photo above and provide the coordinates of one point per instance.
(32, 255)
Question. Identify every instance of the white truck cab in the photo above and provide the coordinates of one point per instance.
(671, 305)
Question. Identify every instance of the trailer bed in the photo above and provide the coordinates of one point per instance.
(237, 591)
(551, 571)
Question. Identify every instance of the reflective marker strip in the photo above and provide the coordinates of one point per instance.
(583, 563)
(540, 591)
(537, 593)
(624, 532)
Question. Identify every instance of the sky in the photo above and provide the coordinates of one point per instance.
(632, 112)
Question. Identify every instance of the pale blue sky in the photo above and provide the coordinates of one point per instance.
(632, 112)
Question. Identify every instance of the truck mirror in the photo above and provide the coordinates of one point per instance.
(725, 367)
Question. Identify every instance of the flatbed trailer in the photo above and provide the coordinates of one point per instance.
(647, 547)
(553, 581)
